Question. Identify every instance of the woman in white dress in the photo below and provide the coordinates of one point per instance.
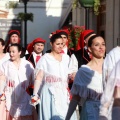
(111, 96)
(19, 75)
(110, 62)
(88, 82)
(51, 83)
(3, 57)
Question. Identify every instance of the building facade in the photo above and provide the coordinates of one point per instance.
(106, 24)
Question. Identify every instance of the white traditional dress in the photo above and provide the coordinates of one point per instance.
(2, 60)
(107, 97)
(88, 85)
(2, 103)
(5, 58)
(54, 96)
(17, 81)
(73, 66)
(110, 61)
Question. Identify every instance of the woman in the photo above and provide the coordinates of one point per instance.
(19, 75)
(110, 62)
(3, 57)
(88, 82)
(51, 83)
(111, 96)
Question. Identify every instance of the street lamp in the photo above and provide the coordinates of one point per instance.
(87, 4)
(25, 22)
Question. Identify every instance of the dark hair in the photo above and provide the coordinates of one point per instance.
(90, 41)
(2, 42)
(54, 37)
(19, 47)
(63, 33)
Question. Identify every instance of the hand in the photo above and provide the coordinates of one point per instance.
(72, 76)
(34, 100)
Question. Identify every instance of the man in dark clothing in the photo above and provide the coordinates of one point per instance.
(35, 49)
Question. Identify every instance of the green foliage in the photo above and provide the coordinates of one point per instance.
(75, 4)
(25, 16)
(74, 35)
(96, 6)
(11, 4)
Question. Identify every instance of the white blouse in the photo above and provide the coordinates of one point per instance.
(17, 80)
(73, 66)
(5, 58)
(110, 61)
(50, 65)
(107, 97)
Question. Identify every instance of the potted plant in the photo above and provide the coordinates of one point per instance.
(25, 16)
(88, 3)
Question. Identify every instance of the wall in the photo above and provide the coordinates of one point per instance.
(79, 18)
(112, 24)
